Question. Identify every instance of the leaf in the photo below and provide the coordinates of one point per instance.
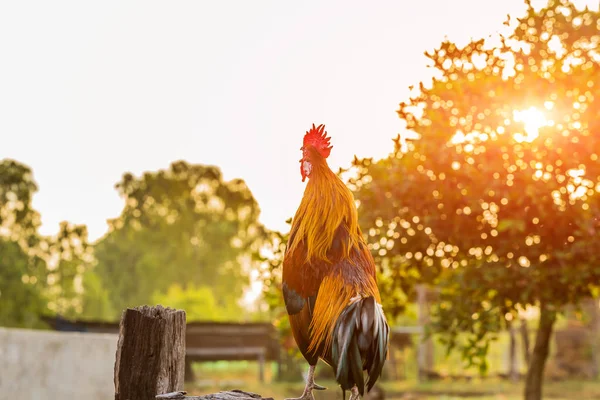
(511, 224)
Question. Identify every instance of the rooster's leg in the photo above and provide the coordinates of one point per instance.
(310, 386)
(354, 395)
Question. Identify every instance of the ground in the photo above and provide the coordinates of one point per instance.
(214, 377)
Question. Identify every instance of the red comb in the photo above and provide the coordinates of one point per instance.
(317, 137)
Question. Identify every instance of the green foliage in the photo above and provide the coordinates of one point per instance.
(38, 274)
(96, 302)
(496, 202)
(270, 257)
(18, 220)
(22, 273)
(199, 303)
(185, 226)
(21, 288)
(69, 257)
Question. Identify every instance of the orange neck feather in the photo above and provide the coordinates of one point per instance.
(326, 203)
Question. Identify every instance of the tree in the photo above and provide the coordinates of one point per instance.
(22, 272)
(199, 303)
(68, 257)
(96, 303)
(20, 287)
(19, 222)
(184, 225)
(37, 274)
(496, 201)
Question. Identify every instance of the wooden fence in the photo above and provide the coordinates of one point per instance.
(204, 341)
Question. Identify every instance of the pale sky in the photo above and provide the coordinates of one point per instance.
(91, 90)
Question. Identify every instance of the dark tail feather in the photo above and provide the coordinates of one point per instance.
(360, 342)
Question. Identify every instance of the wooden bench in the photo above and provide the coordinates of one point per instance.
(216, 341)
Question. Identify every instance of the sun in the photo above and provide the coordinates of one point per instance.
(532, 119)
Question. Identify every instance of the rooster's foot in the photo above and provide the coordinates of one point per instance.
(354, 394)
(310, 386)
(305, 396)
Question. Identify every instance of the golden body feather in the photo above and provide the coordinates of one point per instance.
(327, 263)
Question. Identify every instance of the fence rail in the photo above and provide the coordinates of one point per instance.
(204, 341)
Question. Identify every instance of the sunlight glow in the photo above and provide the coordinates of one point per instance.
(253, 292)
(532, 119)
(579, 185)
(528, 312)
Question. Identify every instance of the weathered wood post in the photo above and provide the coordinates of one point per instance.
(150, 357)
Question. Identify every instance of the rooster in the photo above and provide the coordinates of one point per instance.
(329, 282)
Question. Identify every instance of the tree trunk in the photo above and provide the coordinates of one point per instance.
(535, 373)
(594, 313)
(425, 346)
(525, 340)
(513, 372)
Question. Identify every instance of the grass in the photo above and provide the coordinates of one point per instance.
(496, 389)
(214, 377)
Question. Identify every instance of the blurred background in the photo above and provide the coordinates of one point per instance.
(149, 155)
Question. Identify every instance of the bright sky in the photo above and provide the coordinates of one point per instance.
(91, 90)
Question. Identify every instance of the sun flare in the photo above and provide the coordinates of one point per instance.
(532, 119)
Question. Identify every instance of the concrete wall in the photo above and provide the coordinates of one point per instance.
(37, 365)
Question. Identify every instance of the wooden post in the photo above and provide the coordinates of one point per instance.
(261, 367)
(279, 371)
(150, 357)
